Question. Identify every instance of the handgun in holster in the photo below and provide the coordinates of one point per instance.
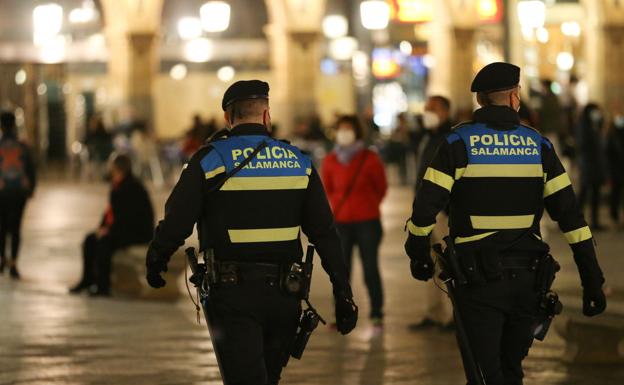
(297, 282)
(546, 269)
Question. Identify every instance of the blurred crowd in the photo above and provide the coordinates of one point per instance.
(588, 137)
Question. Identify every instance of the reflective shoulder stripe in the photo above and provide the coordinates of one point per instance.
(419, 231)
(438, 177)
(474, 238)
(503, 170)
(578, 235)
(279, 234)
(216, 171)
(556, 184)
(501, 222)
(266, 183)
(459, 172)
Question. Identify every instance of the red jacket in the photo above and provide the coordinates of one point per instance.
(362, 203)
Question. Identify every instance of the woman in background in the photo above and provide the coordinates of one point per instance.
(355, 181)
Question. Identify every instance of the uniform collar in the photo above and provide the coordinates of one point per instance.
(497, 115)
(249, 129)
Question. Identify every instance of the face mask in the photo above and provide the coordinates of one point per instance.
(595, 116)
(619, 121)
(430, 120)
(345, 137)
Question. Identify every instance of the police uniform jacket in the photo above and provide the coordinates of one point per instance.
(497, 176)
(258, 214)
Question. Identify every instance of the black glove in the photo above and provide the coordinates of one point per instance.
(155, 280)
(346, 314)
(594, 300)
(419, 251)
(155, 266)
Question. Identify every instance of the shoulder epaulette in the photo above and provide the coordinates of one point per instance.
(531, 128)
(223, 133)
(467, 122)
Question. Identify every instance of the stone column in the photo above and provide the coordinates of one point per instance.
(294, 34)
(132, 29)
(452, 46)
(604, 52)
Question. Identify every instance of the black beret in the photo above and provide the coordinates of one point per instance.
(496, 77)
(245, 89)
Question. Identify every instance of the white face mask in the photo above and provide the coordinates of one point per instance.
(619, 121)
(345, 137)
(430, 120)
(595, 115)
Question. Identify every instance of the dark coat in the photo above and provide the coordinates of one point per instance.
(133, 215)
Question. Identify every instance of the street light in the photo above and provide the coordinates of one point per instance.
(335, 26)
(375, 14)
(571, 29)
(565, 61)
(532, 13)
(226, 73)
(178, 71)
(215, 16)
(189, 28)
(343, 48)
(47, 22)
(85, 14)
(198, 50)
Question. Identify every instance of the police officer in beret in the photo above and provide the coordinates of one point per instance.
(497, 176)
(252, 222)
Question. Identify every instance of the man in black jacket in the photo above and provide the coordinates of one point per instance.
(17, 183)
(128, 220)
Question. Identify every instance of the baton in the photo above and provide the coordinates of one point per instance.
(451, 275)
(199, 271)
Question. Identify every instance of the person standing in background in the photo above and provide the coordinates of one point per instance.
(355, 182)
(591, 159)
(615, 156)
(437, 124)
(17, 184)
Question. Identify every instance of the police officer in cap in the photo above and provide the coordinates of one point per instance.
(497, 176)
(252, 222)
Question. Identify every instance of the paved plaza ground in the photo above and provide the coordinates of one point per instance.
(49, 337)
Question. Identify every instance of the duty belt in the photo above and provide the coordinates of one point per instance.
(235, 272)
(520, 261)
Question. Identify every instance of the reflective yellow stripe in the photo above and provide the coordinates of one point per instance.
(500, 222)
(578, 235)
(419, 231)
(439, 178)
(503, 170)
(264, 235)
(266, 183)
(556, 184)
(214, 172)
(459, 172)
(473, 238)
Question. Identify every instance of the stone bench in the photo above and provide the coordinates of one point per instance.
(595, 340)
(128, 275)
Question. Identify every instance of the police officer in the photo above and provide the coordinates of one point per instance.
(497, 176)
(252, 221)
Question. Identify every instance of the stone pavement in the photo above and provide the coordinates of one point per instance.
(48, 337)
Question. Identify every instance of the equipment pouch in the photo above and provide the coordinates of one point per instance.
(471, 268)
(491, 264)
(546, 270)
(228, 274)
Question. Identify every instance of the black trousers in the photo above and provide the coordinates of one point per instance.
(252, 325)
(499, 318)
(11, 213)
(97, 255)
(367, 236)
(591, 191)
(615, 201)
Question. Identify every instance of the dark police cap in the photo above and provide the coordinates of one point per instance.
(496, 77)
(245, 89)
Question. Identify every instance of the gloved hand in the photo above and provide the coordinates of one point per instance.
(155, 266)
(155, 280)
(419, 251)
(594, 300)
(346, 314)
